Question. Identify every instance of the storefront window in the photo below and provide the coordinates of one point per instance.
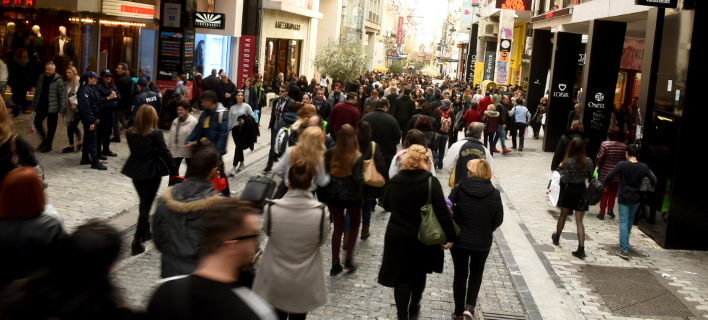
(282, 56)
(146, 56)
(212, 52)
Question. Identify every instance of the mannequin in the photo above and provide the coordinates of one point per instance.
(36, 48)
(62, 50)
(7, 42)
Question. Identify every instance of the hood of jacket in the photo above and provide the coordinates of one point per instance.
(289, 117)
(492, 114)
(190, 196)
(476, 187)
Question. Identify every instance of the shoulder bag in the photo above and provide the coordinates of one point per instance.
(645, 185)
(17, 162)
(430, 231)
(371, 176)
(161, 166)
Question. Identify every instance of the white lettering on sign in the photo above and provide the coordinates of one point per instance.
(561, 94)
(596, 105)
(597, 120)
(151, 99)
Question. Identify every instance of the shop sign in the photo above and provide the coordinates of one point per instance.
(399, 34)
(29, 3)
(164, 85)
(504, 50)
(521, 5)
(287, 25)
(657, 3)
(246, 57)
(171, 15)
(209, 20)
(561, 93)
(128, 9)
(552, 14)
(467, 11)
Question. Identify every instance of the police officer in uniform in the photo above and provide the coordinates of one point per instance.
(89, 105)
(109, 102)
(143, 96)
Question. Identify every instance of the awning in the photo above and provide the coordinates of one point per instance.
(382, 69)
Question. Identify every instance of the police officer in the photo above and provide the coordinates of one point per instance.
(90, 109)
(144, 96)
(109, 102)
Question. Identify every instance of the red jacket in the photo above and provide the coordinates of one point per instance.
(484, 103)
(610, 153)
(343, 113)
(470, 116)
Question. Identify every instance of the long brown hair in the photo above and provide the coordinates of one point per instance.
(346, 152)
(576, 150)
(145, 121)
(309, 149)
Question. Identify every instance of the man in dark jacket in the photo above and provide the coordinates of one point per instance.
(424, 111)
(151, 85)
(226, 91)
(384, 129)
(89, 106)
(437, 102)
(443, 115)
(337, 96)
(503, 108)
(143, 95)
(344, 113)
(212, 125)
(48, 103)
(124, 84)
(281, 105)
(109, 103)
(322, 105)
(461, 152)
(405, 107)
(177, 223)
(294, 91)
(210, 82)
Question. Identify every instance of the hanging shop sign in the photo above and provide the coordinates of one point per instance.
(472, 54)
(399, 34)
(127, 9)
(287, 25)
(553, 14)
(246, 58)
(504, 50)
(209, 20)
(657, 3)
(29, 3)
(520, 5)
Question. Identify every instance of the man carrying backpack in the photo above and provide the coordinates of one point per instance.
(444, 125)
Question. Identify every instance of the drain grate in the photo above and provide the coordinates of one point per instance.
(501, 316)
(634, 292)
(574, 236)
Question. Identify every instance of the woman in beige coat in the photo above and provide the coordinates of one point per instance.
(291, 273)
(181, 128)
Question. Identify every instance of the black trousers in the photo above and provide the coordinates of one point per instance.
(120, 117)
(105, 126)
(291, 316)
(89, 147)
(52, 119)
(147, 189)
(238, 153)
(408, 292)
(71, 129)
(468, 263)
(178, 162)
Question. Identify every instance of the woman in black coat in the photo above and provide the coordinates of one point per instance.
(370, 194)
(406, 260)
(478, 212)
(143, 166)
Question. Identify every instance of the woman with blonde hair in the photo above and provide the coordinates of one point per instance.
(345, 192)
(478, 211)
(149, 160)
(407, 261)
(310, 149)
(72, 124)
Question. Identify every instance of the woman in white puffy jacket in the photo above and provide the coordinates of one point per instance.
(180, 129)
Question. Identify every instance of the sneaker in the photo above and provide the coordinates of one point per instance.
(600, 216)
(350, 266)
(495, 150)
(109, 153)
(101, 156)
(68, 150)
(469, 312)
(46, 149)
(240, 167)
(336, 269)
(611, 214)
(454, 317)
(623, 255)
(233, 172)
(506, 150)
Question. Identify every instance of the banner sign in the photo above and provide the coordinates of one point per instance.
(472, 53)
(209, 20)
(540, 62)
(467, 11)
(490, 58)
(246, 58)
(399, 35)
(560, 99)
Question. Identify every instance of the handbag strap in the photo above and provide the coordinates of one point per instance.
(373, 149)
(430, 187)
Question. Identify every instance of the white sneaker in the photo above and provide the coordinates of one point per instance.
(233, 172)
(240, 167)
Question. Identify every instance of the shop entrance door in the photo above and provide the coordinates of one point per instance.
(282, 55)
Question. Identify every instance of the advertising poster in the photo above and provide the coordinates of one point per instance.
(172, 14)
(247, 54)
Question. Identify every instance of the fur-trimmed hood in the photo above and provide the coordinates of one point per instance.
(190, 196)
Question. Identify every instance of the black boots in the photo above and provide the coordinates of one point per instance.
(96, 164)
(365, 232)
(555, 238)
(137, 247)
(580, 253)
(268, 167)
(85, 159)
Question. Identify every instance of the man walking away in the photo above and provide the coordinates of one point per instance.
(503, 109)
(461, 152)
(229, 241)
(51, 100)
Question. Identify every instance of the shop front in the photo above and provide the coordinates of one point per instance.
(128, 34)
(285, 45)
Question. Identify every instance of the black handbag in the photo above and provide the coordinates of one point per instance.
(258, 189)
(162, 168)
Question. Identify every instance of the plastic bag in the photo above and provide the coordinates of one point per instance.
(31, 129)
(256, 115)
(553, 189)
(529, 132)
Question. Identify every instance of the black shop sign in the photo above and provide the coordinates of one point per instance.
(209, 20)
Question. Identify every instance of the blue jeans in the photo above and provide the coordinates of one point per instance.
(520, 128)
(626, 214)
(442, 144)
(501, 135)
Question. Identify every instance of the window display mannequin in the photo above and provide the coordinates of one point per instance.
(62, 50)
(7, 41)
(36, 51)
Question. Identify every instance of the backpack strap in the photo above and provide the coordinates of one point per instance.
(268, 222)
(373, 149)
(322, 206)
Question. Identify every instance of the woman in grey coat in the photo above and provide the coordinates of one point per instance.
(291, 274)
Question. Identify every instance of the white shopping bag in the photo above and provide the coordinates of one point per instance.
(553, 189)
(529, 132)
